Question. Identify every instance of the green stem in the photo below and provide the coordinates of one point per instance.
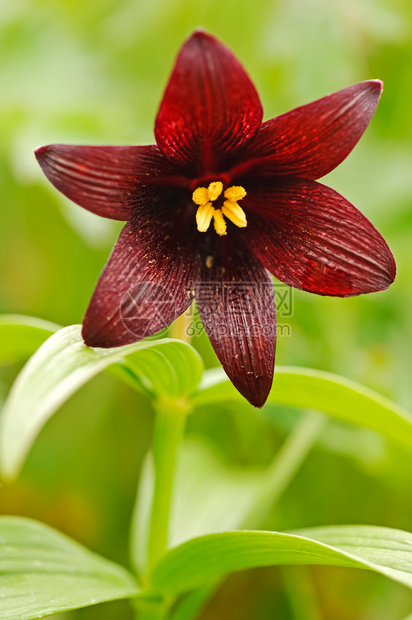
(169, 428)
(150, 610)
(284, 467)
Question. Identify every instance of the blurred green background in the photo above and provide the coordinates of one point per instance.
(93, 71)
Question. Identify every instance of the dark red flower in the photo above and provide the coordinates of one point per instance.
(212, 153)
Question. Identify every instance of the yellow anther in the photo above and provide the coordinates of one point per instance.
(219, 222)
(204, 216)
(234, 213)
(214, 190)
(235, 193)
(204, 197)
(200, 196)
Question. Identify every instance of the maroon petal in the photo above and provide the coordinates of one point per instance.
(313, 139)
(146, 283)
(310, 237)
(107, 180)
(210, 108)
(236, 303)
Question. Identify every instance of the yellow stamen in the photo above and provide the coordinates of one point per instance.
(219, 222)
(204, 196)
(215, 189)
(204, 216)
(200, 196)
(234, 213)
(235, 193)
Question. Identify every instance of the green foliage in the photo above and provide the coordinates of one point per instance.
(21, 336)
(165, 368)
(205, 559)
(43, 572)
(211, 497)
(340, 398)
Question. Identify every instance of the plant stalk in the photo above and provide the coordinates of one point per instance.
(150, 610)
(169, 428)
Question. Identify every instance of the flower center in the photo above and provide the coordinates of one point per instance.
(205, 196)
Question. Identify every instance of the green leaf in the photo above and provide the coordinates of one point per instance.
(205, 559)
(167, 368)
(43, 572)
(342, 399)
(64, 363)
(20, 336)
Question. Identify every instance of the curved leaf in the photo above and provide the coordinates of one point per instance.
(205, 559)
(20, 336)
(169, 368)
(43, 572)
(64, 363)
(341, 398)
